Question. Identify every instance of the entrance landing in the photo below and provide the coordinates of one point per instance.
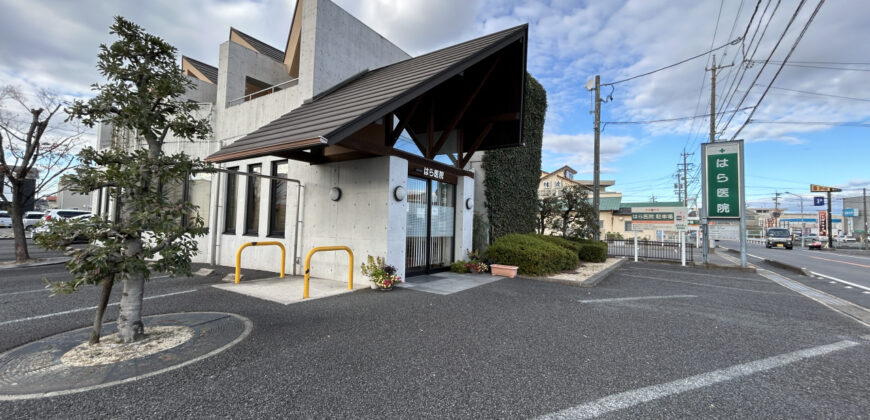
(289, 289)
(447, 283)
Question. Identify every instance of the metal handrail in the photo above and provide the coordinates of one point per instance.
(272, 88)
(239, 256)
(327, 248)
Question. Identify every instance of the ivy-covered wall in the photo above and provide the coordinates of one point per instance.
(512, 174)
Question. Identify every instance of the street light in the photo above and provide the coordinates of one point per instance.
(803, 222)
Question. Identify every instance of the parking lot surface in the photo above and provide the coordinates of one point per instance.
(650, 341)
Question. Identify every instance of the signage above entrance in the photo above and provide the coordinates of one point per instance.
(433, 173)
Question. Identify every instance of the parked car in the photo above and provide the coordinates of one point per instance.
(45, 227)
(778, 238)
(31, 218)
(63, 214)
(814, 244)
(5, 220)
(844, 239)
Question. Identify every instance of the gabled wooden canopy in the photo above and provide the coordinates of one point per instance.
(454, 101)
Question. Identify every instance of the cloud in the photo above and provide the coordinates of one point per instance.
(577, 150)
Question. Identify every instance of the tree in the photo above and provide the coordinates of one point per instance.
(143, 97)
(31, 151)
(575, 213)
(547, 208)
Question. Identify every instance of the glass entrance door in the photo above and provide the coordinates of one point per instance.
(431, 212)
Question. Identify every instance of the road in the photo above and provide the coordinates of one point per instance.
(844, 275)
(651, 341)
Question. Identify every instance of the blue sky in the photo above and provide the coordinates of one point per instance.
(55, 46)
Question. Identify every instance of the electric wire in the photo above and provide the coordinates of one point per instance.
(772, 51)
(784, 62)
(817, 93)
(672, 119)
(812, 66)
(832, 123)
(735, 41)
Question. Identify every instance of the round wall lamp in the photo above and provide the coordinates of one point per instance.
(468, 203)
(399, 193)
(335, 194)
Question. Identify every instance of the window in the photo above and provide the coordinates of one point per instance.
(546, 184)
(199, 194)
(230, 212)
(252, 204)
(558, 184)
(628, 226)
(253, 86)
(278, 198)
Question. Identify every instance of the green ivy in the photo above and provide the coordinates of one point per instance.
(512, 174)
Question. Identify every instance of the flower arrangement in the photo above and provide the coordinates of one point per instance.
(380, 273)
(475, 264)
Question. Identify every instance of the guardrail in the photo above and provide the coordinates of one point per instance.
(649, 250)
(327, 248)
(239, 256)
(261, 92)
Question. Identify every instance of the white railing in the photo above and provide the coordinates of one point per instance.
(262, 92)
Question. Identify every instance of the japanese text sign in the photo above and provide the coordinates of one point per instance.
(722, 177)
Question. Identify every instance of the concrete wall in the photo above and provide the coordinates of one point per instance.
(463, 228)
(338, 46)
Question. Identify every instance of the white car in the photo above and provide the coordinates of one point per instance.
(56, 215)
(5, 220)
(31, 218)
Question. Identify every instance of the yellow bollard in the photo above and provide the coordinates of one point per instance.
(327, 248)
(239, 256)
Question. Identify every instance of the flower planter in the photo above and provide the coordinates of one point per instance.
(504, 270)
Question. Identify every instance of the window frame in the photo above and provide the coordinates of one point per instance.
(253, 184)
(277, 231)
(232, 182)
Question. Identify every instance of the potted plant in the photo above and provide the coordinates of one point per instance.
(504, 270)
(382, 275)
(475, 264)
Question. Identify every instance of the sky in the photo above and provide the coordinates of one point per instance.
(53, 44)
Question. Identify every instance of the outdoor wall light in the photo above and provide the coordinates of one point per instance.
(399, 193)
(335, 194)
(468, 203)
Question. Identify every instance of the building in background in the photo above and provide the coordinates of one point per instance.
(552, 183)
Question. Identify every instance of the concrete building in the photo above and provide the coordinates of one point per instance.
(306, 137)
(553, 183)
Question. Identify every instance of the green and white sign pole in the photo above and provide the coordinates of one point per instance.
(723, 188)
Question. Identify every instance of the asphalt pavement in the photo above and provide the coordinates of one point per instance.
(842, 274)
(652, 340)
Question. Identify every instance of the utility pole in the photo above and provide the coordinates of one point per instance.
(830, 223)
(866, 237)
(686, 166)
(652, 198)
(704, 221)
(776, 209)
(596, 177)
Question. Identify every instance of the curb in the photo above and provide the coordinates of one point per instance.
(592, 281)
(726, 267)
(46, 261)
(785, 266)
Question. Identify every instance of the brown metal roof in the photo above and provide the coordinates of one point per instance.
(210, 72)
(261, 47)
(340, 112)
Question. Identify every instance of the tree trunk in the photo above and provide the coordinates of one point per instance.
(108, 282)
(130, 327)
(16, 211)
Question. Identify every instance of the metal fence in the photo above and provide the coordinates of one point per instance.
(649, 250)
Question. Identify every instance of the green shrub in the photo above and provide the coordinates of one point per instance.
(533, 255)
(459, 267)
(564, 243)
(593, 251)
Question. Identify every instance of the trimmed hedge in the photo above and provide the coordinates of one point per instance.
(591, 250)
(564, 243)
(533, 255)
(459, 267)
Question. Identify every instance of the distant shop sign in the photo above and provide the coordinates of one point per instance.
(655, 218)
(851, 213)
(724, 232)
(823, 223)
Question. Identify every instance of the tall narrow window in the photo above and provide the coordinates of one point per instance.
(230, 209)
(252, 204)
(278, 198)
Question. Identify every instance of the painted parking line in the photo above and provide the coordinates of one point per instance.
(834, 279)
(90, 308)
(24, 292)
(635, 298)
(635, 397)
(705, 284)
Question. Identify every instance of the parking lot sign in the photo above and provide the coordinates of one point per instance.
(818, 201)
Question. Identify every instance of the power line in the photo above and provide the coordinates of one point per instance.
(833, 123)
(784, 62)
(811, 66)
(673, 119)
(817, 93)
(735, 41)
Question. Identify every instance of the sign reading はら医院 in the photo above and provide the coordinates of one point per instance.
(722, 166)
